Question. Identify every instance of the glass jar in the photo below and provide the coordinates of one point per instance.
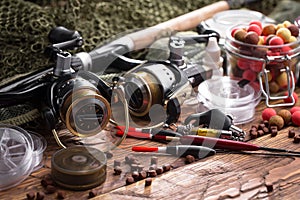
(272, 69)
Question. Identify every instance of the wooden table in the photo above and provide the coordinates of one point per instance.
(222, 176)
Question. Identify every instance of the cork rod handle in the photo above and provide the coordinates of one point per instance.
(184, 22)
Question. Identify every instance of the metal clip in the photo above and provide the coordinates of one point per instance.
(290, 83)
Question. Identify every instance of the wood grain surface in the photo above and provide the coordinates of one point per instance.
(222, 176)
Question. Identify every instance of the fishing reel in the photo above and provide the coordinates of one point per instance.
(167, 83)
(79, 103)
(80, 99)
(156, 83)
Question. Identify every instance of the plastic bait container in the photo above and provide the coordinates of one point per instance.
(272, 69)
(226, 95)
(21, 153)
(39, 146)
(221, 21)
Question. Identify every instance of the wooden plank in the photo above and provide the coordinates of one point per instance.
(218, 177)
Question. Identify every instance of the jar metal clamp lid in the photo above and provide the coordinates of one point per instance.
(263, 75)
(274, 60)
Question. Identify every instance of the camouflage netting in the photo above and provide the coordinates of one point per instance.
(24, 26)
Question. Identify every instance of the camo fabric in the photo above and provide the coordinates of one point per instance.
(24, 27)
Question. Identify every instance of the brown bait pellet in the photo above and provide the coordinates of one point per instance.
(117, 170)
(277, 120)
(291, 134)
(153, 167)
(148, 181)
(166, 167)
(142, 175)
(30, 195)
(135, 175)
(261, 126)
(93, 193)
(269, 187)
(266, 123)
(240, 35)
(286, 115)
(154, 160)
(117, 163)
(296, 139)
(50, 189)
(253, 131)
(152, 173)
(253, 134)
(274, 132)
(129, 180)
(254, 127)
(40, 195)
(46, 182)
(159, 170)
(260, 133)
(266, 130)
(189, 159)
(251, 38)
(60, 195)
(293, 29)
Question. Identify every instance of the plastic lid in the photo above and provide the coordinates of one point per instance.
(20, 154)
(225, 19)
(225, 94)
(16, 148)
(231, 17)
(39, 146)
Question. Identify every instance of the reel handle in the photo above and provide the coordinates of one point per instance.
(65, 39)
(61, 34)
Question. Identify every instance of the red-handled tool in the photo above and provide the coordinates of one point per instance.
(179, 150)
(152, 131)
(149, 136)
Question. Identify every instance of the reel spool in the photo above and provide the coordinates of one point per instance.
(21, 153)
(79, 167)
(81, 106)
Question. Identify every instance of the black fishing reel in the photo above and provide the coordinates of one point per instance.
(156, 83)
(167, 83)
(77, 100)
(80, 99)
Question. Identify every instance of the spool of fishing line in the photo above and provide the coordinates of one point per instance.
(20, 154)
(78, 167)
